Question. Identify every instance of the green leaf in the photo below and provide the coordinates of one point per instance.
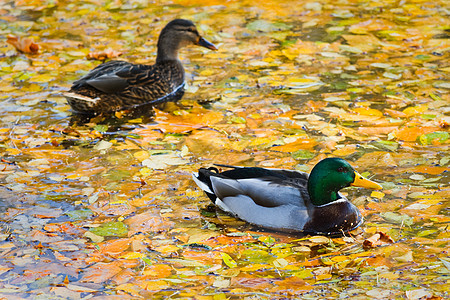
(397, 218)
(427, 232)
(80, 214)
(238, 120)
(256, 256)
(267, 240)
(435, 97)
(118, 175)
(427, 139)
(387, 145)
(306, 273)
(186, 262)
(428, 116)
(101, 128)
(422, 57)
(302, 154)
(147, 260)
(111, 229)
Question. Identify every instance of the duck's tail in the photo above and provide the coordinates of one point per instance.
(81, 103)
(203, 180)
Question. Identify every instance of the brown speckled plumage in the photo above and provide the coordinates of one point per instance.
(117, 85)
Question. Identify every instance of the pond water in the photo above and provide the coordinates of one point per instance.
(105, 208)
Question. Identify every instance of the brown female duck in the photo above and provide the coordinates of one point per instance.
(117, 85)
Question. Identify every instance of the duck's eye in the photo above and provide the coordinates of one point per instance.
(191, 30)
(341, 170)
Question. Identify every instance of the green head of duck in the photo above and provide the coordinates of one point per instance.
(329, 176)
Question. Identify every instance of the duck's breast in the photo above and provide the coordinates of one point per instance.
(334, 217)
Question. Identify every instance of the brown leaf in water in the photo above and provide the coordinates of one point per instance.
(291, 285)
(25, 45)
(102, 55)
(378, 239)
(147, 222)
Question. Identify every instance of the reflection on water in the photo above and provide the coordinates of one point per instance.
(292, 82)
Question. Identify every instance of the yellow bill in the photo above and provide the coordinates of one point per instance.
(364, 182)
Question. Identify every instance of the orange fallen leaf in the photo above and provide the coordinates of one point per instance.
(207, 258)
(251, 282)
(302, 143)
(123, 276)
(433, 170)
(61, 257)
(376, 130)
(410, 134)
(378, 261)
(101, 272)
(154, 285)
(371, 25)
(52, 227)
(345, 151)
(102, 55)
(315, 106)
(366, 111)
(395, 113)
(378, 239)
(114, 246)
(158, 271)
(291, 285)
(197, 117)
(25, 45)
(166, 249)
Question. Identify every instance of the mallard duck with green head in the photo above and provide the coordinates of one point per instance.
(285, 200)
(117, 85)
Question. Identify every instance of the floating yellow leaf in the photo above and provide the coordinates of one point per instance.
(407, 257)
(254, 267)
(141, 155)
(42, 78)
(414, 110)
(154, 285)
(368, 111)
(132, 255)
(13, 151)
(228, 260)
(323, 277)
(165, 249)
(377, 194)
(130, 289)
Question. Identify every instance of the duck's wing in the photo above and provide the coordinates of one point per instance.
(108, 77)
(274, 199)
